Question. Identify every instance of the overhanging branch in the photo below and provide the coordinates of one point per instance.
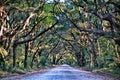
(31, 39)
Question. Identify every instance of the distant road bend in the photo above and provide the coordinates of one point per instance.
(63, 72)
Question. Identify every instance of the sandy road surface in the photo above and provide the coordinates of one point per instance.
(64, 72)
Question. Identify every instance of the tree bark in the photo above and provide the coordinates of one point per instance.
(80, 59)
(14, 54)
(98, 47)
(93, 56)
(117, 52)
(54, 59)
(33, 58)
(26, 55)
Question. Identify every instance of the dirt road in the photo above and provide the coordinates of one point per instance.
(64, 72)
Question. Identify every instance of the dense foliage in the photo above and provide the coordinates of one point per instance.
(40, 33)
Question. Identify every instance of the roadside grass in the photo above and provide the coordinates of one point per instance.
(115, 73)
(21, 71)
(13, 72)
(112, 72)
(5, 74)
